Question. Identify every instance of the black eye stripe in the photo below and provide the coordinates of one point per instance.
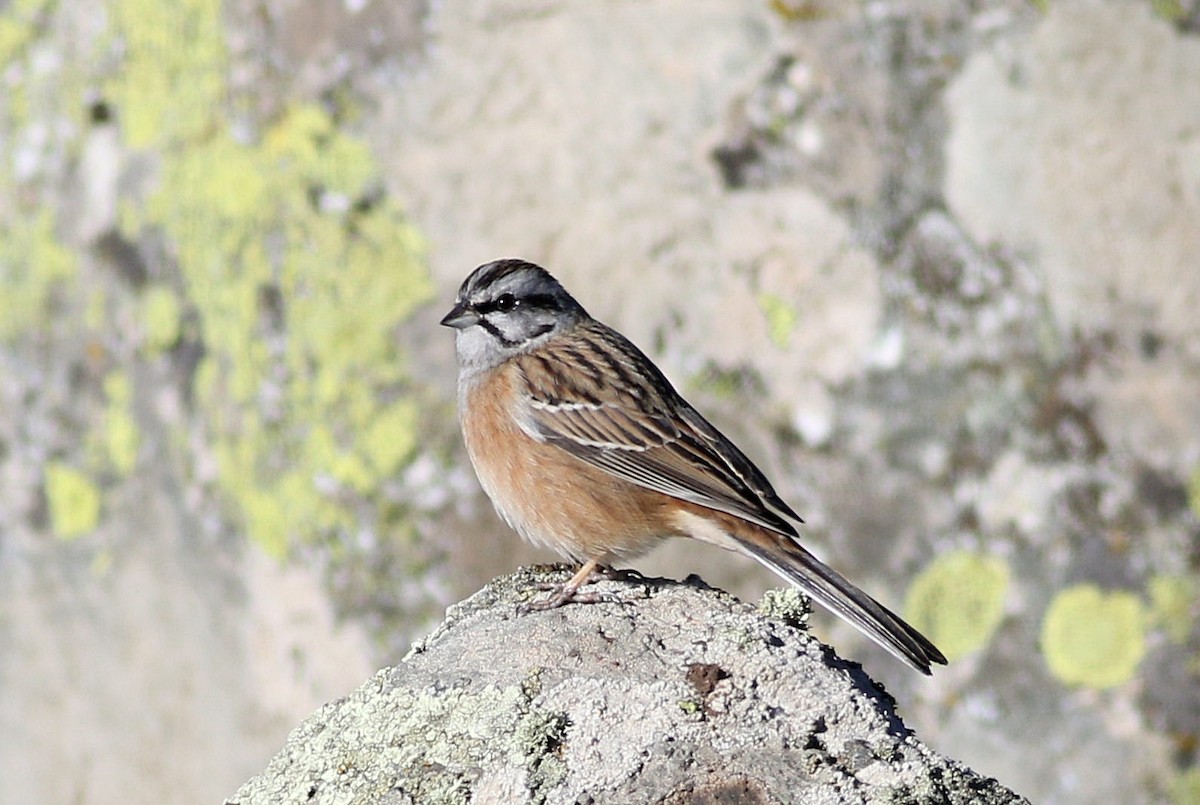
(544, 301)
(504, 303)
(501, 303)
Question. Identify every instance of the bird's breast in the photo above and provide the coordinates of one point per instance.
(548, 496)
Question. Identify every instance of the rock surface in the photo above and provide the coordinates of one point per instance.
(672, 692)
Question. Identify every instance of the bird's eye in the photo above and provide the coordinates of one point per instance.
(505, 302)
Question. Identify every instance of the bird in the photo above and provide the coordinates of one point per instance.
(584, 447)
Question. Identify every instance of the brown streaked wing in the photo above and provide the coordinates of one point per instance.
(594, 394)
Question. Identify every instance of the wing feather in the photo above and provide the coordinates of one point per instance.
(600, 399)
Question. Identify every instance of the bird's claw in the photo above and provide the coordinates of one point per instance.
(562, 595)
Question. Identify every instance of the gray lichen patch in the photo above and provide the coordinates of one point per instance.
(434, 744)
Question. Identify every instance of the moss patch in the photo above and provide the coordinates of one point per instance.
(1092, 638)
(958, 601)
(73, 500)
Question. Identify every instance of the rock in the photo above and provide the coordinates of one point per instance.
(669, 692)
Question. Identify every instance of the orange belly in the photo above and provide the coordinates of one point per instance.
(550, 497)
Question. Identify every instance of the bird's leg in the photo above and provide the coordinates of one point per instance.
(568, 592)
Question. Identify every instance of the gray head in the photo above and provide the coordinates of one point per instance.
(506, 307)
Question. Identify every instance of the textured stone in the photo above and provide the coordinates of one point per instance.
(673, 693)
(1085, 157)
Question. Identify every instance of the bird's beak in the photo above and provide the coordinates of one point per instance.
(460, 316)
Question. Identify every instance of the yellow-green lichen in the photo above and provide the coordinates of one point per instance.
(538, 737)
(726, 383)
(18, 26)
(800, 10)
(391, 437)
(788, 605)
(1174, 604)
(1092, 638)
(452, 730)
(172, 79)
(95, 309)
(958, 601)
(160, 319)
(1185, 789)
(297, 270)
(102, 564)
(73, 501)
(33, 265)
(1170, 10)
(781, 317)
(1194, 493)
(120, 436)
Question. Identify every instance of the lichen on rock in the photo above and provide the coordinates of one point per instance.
(673, 692)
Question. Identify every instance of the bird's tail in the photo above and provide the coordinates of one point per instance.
(830, 589)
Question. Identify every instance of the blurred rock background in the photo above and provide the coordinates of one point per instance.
(936, 266)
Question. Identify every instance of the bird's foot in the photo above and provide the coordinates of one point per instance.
(570, 591)
(561, 595)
